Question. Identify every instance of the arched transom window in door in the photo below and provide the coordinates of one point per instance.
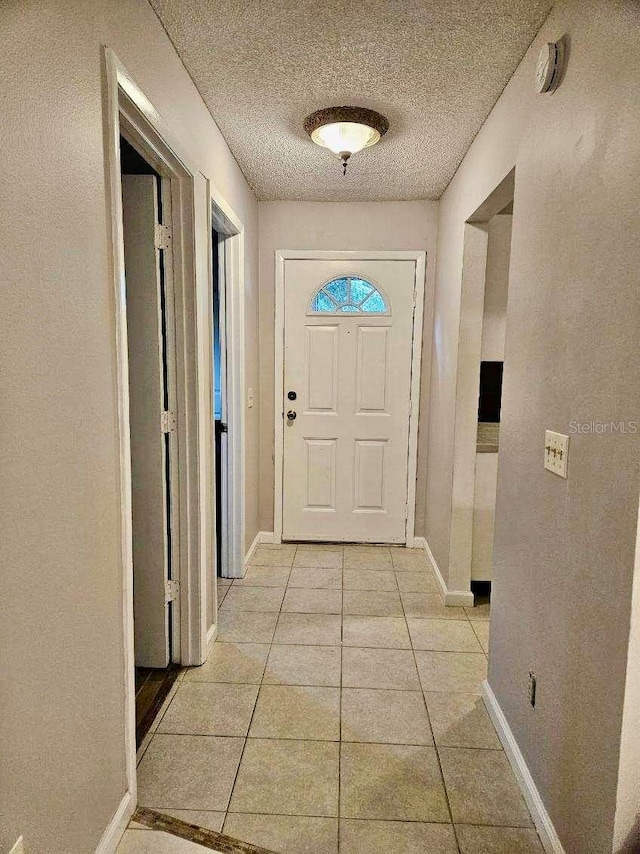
(349, 295)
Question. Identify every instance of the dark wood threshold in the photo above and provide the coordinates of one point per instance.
(150, 695)
(200, 835)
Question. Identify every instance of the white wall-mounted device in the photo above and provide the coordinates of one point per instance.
(548, 68)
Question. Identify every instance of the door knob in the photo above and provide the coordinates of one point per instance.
(291, 415)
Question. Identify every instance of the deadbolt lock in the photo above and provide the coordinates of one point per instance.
(292, 395)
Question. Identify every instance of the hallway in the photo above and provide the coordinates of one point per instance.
(382, 262)
(340, 710)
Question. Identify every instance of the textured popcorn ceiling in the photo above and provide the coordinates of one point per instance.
(435, 69)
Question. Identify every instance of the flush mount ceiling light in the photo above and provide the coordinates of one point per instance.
(345, 130)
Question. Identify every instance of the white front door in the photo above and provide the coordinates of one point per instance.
(348, 333)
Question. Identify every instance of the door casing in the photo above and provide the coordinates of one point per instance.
(467, 390)
(129, 112)
(420, 259)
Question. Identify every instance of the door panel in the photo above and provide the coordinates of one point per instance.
(346, 452)
(321, 362)
(321, 474)
(144, 333)
(369, 475)
(373, 369)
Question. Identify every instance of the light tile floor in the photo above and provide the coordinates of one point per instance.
(143, 841)
(340, 710)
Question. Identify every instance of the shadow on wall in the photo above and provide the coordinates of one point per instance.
(631, 845)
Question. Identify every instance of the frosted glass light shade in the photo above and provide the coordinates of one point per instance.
(345, 130)
(341, 137)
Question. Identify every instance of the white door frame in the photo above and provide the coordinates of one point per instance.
(225, 222)
(128, 108)
(465, 434)
(420, 259)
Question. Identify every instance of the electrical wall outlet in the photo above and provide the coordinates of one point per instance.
(532, 688)
(556, 452)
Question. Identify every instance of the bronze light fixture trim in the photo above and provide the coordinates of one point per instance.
(346, 130)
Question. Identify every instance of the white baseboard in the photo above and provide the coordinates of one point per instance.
(251, 551)
(117, 826)
(254, 545)
(547, 832)
(262, 537)
(212, 634)
(449, 597)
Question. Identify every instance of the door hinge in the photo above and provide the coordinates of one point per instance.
(415, 298)
(168, 421)
(171, 590)
(163, 236)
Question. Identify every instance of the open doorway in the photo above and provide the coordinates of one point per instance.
(481, 362)
(152, 413)
(492, 359)
(227, 384)
(220, 415)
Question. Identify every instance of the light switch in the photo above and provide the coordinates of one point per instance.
(250, 398)
(556, 452)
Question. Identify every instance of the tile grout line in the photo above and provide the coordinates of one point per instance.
(390, 820)
(356, 818)
(349, 687)
(435, 746)
(330, 740)
(253, 711)
(478, 638)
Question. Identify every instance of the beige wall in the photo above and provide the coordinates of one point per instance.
(564, 550)
(61, 675)
(340, 225)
